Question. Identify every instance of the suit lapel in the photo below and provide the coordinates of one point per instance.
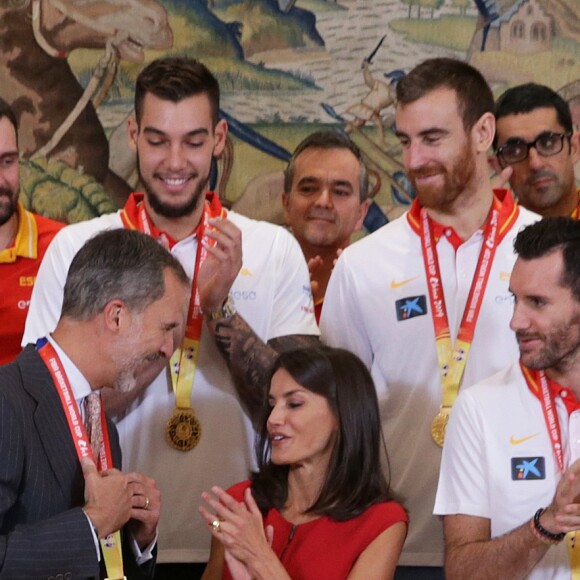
(51, 423)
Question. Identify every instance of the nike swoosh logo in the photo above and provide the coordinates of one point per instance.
(395, 284)
(515, 441)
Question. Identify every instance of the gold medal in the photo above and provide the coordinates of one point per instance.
(183, 430)
(439, 426)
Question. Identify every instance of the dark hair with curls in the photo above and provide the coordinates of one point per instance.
(474, 97)
(355, 480)
(549, 235)
(174, 79)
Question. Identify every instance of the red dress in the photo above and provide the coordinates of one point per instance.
(324, 548)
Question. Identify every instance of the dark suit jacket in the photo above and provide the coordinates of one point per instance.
(43, 530)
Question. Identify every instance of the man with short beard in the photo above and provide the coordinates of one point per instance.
(66, 509)
(24, 237)
(424, 301)
(188, 429)
(510, 477)
(535, 137)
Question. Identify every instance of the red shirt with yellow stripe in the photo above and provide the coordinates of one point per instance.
(18, 267)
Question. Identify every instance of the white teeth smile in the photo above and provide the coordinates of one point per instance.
(278, 437)
(175, 181)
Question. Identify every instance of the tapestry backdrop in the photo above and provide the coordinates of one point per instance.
(286, 68)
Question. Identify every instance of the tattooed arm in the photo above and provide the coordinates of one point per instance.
(249, 358)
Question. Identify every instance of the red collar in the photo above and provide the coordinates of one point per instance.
(566, 395)
(131, 214)
(509, 211)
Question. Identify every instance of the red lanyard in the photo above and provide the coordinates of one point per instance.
(453, 359)
(71, 410)
(542, 387)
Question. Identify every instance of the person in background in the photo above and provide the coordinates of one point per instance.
(536, 137)
(319, 505)
(325, 201)
(24, 237)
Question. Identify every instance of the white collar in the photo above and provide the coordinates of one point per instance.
(78, 383)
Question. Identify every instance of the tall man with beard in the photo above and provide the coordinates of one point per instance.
(424, 301)
(24, 237)
(188, 429)
(510, 476)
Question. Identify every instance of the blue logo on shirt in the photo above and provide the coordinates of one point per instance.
(411, 307)
(528, 468)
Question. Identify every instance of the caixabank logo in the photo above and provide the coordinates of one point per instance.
(411, 307)
(528, 468)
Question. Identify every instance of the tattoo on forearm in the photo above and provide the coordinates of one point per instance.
(250, 359)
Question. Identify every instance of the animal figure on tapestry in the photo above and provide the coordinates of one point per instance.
(35, 78)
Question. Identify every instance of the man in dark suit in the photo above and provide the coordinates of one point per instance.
(124, 309)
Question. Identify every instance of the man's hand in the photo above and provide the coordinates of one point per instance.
(145, 508)
(108, 498)
(501, 179)
(563, 514)
(221, 265)
(313, 265)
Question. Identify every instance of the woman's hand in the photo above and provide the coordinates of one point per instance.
(238, 570)
(240, 528)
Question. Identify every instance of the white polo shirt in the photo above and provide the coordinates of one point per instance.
(498, 462)
(377, 306)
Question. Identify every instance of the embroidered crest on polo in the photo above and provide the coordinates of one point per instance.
(528, 468)
(411, 306)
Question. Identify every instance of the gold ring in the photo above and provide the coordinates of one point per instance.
(216, 525)
(146, 503)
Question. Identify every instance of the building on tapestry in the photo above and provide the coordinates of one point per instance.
(524, 27)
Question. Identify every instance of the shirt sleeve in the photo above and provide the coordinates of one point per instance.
(342, 321)
(463, 480)
(293, 309)
(47, 294)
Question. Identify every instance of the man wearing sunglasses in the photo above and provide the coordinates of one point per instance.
(535, 136)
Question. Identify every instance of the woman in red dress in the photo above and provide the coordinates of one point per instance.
(319, 505)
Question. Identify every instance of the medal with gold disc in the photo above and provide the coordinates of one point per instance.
(439, 426)
(452, 358)
(183, 430)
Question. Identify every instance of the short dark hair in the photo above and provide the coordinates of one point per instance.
(474, 97)
(174, 79)
(549, 235)
(6, 111)
(528, 97)
(117, 264)
(328, 140)
(355, 479)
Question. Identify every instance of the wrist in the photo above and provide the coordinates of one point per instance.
(92, 523)
(226, 310)
(543, 534)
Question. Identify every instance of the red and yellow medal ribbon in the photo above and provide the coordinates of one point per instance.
(543, 388)
(111, 545)
(183, 363)
(452, 358)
